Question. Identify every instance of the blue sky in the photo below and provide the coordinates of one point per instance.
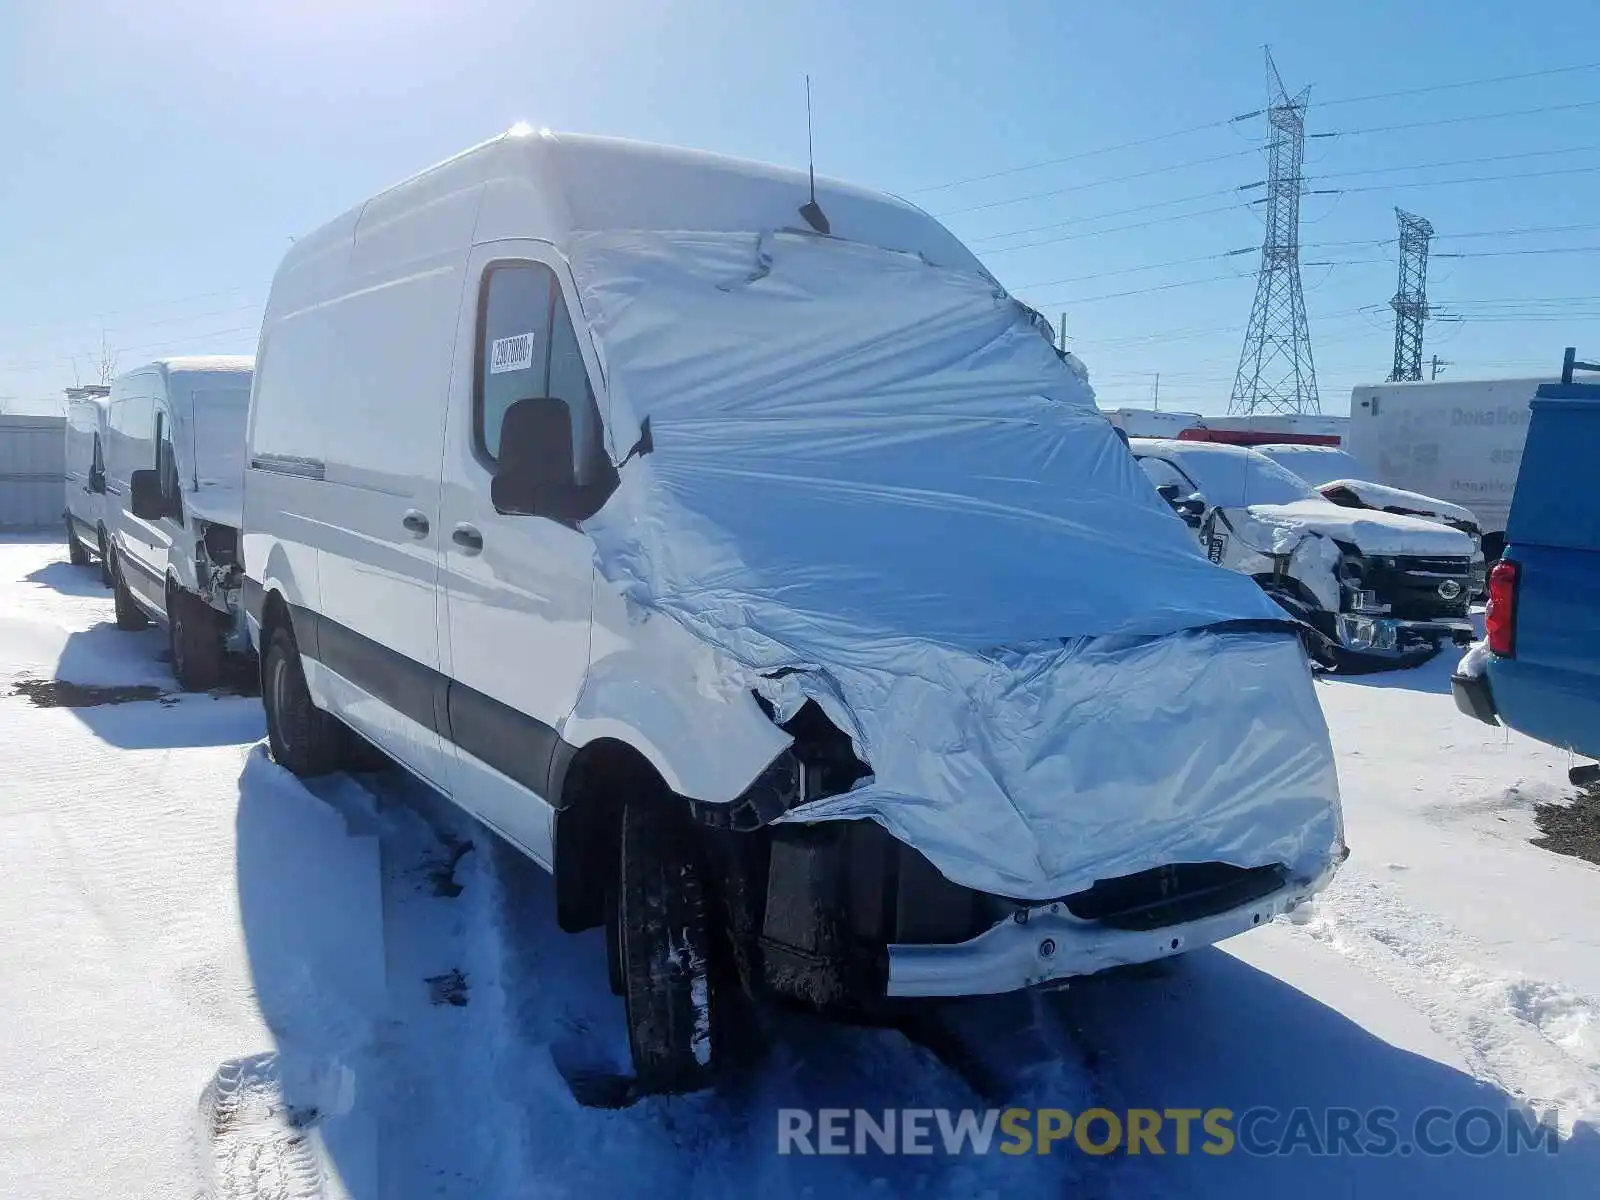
(160, 155)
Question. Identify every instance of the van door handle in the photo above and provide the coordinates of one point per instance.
(416, 523)
(468, 538)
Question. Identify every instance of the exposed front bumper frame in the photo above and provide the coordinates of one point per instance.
(1053, 946)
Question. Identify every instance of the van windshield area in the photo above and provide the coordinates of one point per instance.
(1232, 477)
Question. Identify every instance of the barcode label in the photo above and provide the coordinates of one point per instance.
(511, 354)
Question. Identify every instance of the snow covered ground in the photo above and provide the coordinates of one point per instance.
(214, 982)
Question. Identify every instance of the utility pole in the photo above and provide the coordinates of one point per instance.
(1155, 393)
(1276, 373)
(1437, 363)
(1410, 301)
(1062, 332)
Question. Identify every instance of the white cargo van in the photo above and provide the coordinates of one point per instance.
(1457, 439)
(175, 473)
(750, 559)
(86, 476)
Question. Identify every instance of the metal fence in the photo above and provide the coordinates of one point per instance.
(32, 471)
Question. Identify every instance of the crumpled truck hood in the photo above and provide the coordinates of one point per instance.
(1372, 532)
(875, 485)
(1380, 497)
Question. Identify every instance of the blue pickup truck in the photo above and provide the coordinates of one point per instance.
(1538, 669)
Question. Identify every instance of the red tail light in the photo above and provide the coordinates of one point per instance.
(1500, 619)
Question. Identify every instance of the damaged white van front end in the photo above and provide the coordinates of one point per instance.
(1015, 726)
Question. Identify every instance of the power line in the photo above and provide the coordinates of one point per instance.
(1106, 216)
(1462, 120)
(98, 317)
(1053, 162)
(1094, 183)
(1465, 83)
(1449, 162)
(1336, 102)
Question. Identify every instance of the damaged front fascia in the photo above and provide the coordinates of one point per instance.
(820, 762)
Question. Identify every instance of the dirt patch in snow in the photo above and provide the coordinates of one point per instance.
(449, 988)
(1571, 828)
(61, 693)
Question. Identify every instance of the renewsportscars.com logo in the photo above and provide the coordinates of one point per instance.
(1262, 1132)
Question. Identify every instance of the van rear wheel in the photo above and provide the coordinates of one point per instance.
(129, 615)
(76, 554)
(671, 992)
(304, 740)
(198, 659)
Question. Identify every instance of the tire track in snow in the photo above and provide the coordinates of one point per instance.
(1536, 1040)
(255, 1145)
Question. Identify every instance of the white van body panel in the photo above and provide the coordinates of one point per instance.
(1458, 439)
(367, 344)
(484, 650)
(198, 405)
(86, 438)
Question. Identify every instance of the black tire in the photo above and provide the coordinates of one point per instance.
(194, 630)
(304, 740)
(671, 991)
(129, 615)
(613, 928)
(76, 554)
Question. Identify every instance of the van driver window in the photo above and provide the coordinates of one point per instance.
(513, 345)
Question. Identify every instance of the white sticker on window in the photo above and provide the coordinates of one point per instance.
(511, 354)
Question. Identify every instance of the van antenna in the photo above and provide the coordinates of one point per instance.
(811, 210)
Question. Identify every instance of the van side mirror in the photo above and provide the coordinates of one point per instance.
(535, 476)
(97, 482)
(145, 497)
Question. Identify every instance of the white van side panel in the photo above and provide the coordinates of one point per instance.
(345, 447)
(142, 547)
(86, 422)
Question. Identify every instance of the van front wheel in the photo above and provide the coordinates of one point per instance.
(197, 653)
(129, 615)
(76, 554)
(304, 740)
(671, 991)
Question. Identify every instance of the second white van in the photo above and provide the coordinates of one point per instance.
(175, 472)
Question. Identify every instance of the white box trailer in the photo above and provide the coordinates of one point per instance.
(1459, 440)
(1151, 422)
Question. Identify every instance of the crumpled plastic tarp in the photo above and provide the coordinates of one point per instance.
(874, 484)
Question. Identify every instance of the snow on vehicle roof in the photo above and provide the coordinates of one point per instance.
(1228, 476)
(1317, 465)
(208, 362)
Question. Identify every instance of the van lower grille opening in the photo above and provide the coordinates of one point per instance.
(1173, 894)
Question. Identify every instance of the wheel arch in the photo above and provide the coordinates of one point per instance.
(595, 782)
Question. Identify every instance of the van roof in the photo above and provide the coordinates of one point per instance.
(208, 362)
(550, 186)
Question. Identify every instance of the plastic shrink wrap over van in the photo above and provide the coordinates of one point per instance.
(874, 484)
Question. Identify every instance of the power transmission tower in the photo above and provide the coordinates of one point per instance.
(1276, 373)
(1410, 301)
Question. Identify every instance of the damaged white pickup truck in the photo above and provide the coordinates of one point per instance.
(1386, 589)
